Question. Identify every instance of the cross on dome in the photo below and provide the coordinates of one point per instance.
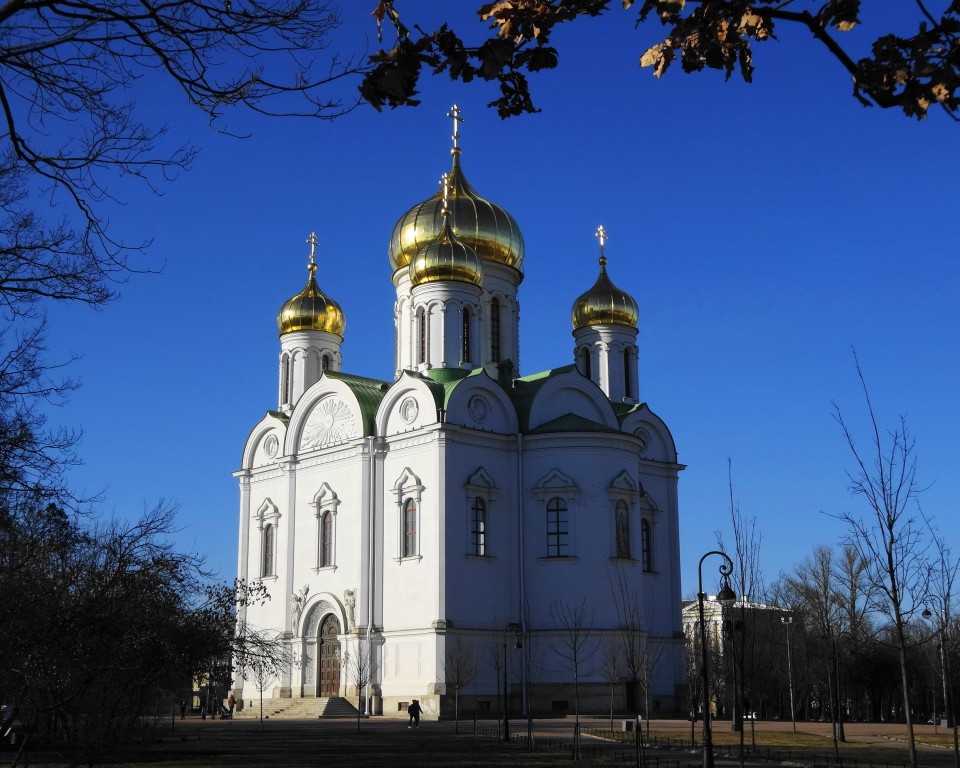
(601, 235)
(313, 242)
(455, 114)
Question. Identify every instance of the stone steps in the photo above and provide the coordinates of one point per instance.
(298, 709)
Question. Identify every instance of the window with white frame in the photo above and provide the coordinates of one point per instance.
(557, 496)
(410, 528)
(408, 492)
(646, 544)
(480, 492)
(267, 517)
(558, 530)
(325, 504)
(478, 527)
(621, 522)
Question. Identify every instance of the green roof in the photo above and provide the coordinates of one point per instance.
(571, 422)
(369, 394)
(525, 390)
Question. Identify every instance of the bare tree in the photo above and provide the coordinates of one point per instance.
(459, 670)
(749, 585)
(68, 127)
(360, 669)
(889, 540)
(612, 666)
(944, 572)
(573, 643)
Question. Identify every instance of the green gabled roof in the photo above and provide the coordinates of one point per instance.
(570, 422)
(369, 394)
(525, 390)
(450, 379)
(622, 410)
(280, 416)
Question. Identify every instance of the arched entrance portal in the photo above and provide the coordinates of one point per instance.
(329, 657)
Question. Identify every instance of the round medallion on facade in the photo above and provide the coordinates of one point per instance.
(409, 410)
(644, 437)
(271, 445)
(479, 408)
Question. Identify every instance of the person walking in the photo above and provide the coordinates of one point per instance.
(414, 711)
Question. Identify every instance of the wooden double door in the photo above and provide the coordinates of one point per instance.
(329, 657)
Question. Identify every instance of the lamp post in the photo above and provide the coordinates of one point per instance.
(724, 596)
(943, 623)
(787, 621)
(515, 628)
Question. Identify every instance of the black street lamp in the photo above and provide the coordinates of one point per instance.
(515, 628)
(724, 596)
(787, 621)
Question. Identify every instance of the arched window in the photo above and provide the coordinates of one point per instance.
(285, 396)
(478, 527)
(585, 364)
(268, 566)
(627, 385)
(622, 524)
(646, 545)
(325, 363)
(557, 530)
(410, 528)
(495, 331)
(421, 337)
(326, 540)
(466, 336)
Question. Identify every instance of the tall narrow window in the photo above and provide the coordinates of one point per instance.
(627, 385)
(325, 363)
(585, 367)
(478, 527)
(557, 531)
(466, 336)
(646, 545)
(495, 331)
(421, 337)
(268, 551)
(285, 380)
(326, 540)
(410, 528)
(622, 523)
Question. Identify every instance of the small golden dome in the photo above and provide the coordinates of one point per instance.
(311, 309)
(604, 304)
(446, 258)
(484, 226)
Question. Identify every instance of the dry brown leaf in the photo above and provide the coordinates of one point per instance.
(941, 91)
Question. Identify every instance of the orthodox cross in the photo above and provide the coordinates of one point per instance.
(455, 114)
(601, 235)
(313, 243)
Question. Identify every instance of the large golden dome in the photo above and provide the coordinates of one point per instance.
(311, 309)
(484, 226)
(446, 258)
(604, 304)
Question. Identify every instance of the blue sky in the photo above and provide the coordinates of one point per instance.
(764, 230)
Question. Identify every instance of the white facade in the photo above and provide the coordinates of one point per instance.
(410, 522)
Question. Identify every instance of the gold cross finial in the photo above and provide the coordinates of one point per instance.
(455, 114)
(601, 235)
(313, 243)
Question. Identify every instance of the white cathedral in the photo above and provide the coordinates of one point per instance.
(454, 527)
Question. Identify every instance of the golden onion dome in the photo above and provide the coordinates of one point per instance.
(311, 309)
(446, 258)
(484, 226)
(604, 303)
